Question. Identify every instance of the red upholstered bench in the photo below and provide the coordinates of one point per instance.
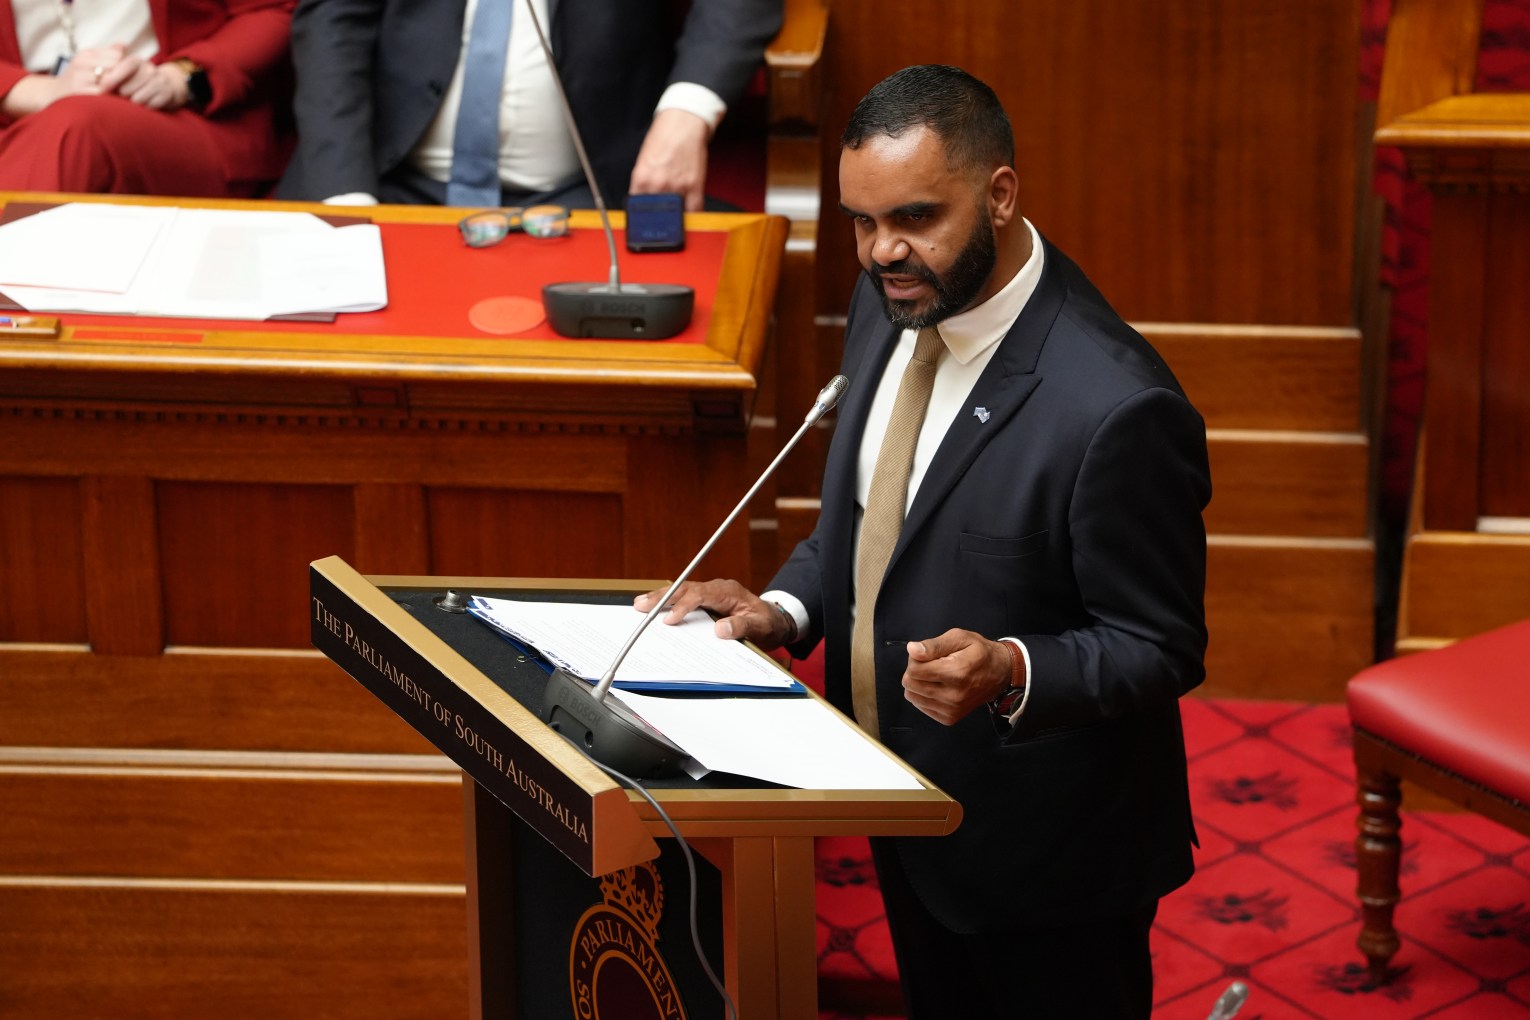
(1456, 721)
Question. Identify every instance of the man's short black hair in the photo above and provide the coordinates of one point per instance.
(963, 111)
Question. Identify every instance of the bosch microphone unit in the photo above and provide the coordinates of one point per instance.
(621, 311)
(608, 730)
(612, 310)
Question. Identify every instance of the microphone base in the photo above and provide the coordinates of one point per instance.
(607, 730)
(630, 311)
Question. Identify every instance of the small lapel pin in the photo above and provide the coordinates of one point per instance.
(981, 414)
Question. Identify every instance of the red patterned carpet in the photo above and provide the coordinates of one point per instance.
(1272, 902)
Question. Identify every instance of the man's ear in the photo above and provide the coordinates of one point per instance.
(1003, 196)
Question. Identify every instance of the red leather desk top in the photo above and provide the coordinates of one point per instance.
(434, 279)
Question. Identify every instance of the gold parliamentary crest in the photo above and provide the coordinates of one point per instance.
(615, 970)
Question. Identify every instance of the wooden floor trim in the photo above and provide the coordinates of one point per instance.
(289, 764)
(283, 886)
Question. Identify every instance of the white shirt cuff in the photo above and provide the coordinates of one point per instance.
(693, 98)
(1030, 680)
(793, 606)
(351, 198)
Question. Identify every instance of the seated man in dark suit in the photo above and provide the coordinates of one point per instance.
(397, 100)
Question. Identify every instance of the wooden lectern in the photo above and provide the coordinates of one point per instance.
(550, 835)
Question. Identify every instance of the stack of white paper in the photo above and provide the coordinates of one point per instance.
(584, 640)
(797, 741)
(200, 263)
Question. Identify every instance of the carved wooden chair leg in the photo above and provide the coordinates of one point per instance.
(1378, 857)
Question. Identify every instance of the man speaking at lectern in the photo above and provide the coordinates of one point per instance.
(1007, 572)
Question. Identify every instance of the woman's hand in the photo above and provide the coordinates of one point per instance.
(157, 86)
(86, 74)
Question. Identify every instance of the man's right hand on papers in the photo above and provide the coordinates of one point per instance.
(742, 614)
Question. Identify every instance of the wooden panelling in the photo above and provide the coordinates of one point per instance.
(235, 559)
(1197, 158)
(491, 532)
(338, 824)
(1265, 377)
(1505, 475)
(178, 950)
(1288, 618)
(1462, 583)
(710, 479)
(1454, 365)
(298, 701)
(311, 450)
(1287, 483)
(43, 597)
(797, 518)
(122, 547)
(391, 529)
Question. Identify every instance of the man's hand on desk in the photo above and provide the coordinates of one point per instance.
(743, 614)
(674, 157)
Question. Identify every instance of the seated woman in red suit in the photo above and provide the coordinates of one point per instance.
(148, 97)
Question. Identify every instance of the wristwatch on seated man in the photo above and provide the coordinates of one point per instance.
(198, 90)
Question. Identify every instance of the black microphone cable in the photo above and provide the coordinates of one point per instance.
(690, 864)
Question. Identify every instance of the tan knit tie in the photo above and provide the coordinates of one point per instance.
(882, 520)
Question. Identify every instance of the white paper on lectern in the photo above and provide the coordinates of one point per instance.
(584, 638)
(799, 742)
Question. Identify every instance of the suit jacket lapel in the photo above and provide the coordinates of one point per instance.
(1001, 390)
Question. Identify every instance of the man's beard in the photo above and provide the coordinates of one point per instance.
(952, 292)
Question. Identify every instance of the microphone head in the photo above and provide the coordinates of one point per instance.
(1230, 1002)
(628, 311)
(828, 397)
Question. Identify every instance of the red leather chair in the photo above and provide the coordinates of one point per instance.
(1455, 721)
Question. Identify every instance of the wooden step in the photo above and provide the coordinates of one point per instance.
(1456, 584)
(248, 700)
(1288, 618)
(83, 947)
(1288, 483)
(270, 817)
(1265, 377)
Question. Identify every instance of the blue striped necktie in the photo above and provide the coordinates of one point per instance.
(475, 144)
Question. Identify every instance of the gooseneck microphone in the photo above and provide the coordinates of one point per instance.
(608, 730)
(612, 310)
